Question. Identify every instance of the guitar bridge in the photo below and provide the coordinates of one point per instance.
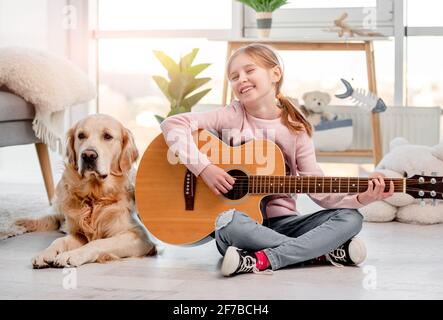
(189, 189)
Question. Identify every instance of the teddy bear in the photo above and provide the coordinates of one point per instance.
(406, 160)
(314, 107)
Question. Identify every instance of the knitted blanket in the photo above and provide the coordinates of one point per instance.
(50, 83)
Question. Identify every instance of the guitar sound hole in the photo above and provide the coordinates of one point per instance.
(240, 188)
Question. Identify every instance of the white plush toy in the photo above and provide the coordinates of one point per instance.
(315, 107)
(405, 158)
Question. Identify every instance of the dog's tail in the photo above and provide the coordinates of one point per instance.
(47, 223)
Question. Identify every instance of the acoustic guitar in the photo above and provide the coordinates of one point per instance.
(178, 208)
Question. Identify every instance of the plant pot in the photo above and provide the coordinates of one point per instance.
(264, 24)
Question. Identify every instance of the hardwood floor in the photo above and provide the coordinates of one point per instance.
(404, 262)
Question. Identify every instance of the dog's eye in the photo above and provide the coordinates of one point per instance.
(81, 136)
(107, 136)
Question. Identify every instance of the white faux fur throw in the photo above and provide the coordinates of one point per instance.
(50, 83)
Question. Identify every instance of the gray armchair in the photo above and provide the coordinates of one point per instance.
(16, 117)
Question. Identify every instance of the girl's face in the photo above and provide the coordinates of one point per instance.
(251, 82)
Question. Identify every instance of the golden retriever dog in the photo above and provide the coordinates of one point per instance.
(95, 197)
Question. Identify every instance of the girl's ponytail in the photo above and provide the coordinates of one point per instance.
(292, 117)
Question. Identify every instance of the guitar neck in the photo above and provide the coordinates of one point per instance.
(306, 184)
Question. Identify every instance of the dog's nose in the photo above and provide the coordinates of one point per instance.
(89, 156)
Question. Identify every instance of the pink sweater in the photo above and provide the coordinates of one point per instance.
(298, 151)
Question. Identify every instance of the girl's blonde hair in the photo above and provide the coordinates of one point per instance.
(267, 58)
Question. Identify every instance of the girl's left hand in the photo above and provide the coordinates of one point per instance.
(375, 189)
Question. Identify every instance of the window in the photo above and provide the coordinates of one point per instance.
(127, 90)
(322, 70)
(425, 71)
(424, 13)
(312, 19)
(424, 46)
(128, 33)
(169, 14)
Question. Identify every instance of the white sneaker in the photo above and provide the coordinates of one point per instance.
(352, 252)
(240, 261)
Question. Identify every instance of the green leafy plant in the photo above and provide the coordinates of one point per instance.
(264, 5)
(182, 82)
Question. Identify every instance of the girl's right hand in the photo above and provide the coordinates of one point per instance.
(218, 180)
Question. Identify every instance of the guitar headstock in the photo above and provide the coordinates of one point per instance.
(425, 187)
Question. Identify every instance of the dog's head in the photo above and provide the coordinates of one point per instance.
(99, 145)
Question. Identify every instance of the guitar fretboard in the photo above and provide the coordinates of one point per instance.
(307, 184)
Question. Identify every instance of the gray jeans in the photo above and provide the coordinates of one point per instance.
(291, 239)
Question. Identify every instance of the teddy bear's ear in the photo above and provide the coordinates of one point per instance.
(396, 142)
(294, 101)
(305, 95)
(438, 150)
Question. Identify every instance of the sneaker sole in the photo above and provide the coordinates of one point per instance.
(357, 251)
(230, 262)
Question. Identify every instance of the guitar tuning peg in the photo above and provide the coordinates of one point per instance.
(422, 203)
(433, 173)
(422, 173)
(434, 202)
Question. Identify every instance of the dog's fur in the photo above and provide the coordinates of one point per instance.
(95, 199)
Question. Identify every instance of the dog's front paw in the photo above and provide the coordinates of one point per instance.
(29, 225)
(44, 260)
(72, 258)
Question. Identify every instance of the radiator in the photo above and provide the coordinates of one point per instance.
(419, 125)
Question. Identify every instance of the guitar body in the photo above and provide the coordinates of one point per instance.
(161, 187)
(178, 208)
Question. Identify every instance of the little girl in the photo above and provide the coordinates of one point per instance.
(285, 238)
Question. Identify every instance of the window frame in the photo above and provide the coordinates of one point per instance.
(295, 22)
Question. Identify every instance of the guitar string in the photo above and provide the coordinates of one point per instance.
(312, 183)
(324, 177)
(264, 192)
(309, 186)
(342, 179)
(326, 184)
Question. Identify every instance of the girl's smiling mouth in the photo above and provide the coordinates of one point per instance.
(246, 89)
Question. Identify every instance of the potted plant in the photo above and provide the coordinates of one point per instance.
(264, 9)
(182, 83)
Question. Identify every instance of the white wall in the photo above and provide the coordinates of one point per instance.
(27, 23)
(24, 23)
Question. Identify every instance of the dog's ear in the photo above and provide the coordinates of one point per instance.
(70, 151)
(129, 151)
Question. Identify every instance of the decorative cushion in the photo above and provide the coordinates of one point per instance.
(51, 83)
(335, 135)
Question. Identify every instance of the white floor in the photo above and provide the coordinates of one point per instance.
(404, 262)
